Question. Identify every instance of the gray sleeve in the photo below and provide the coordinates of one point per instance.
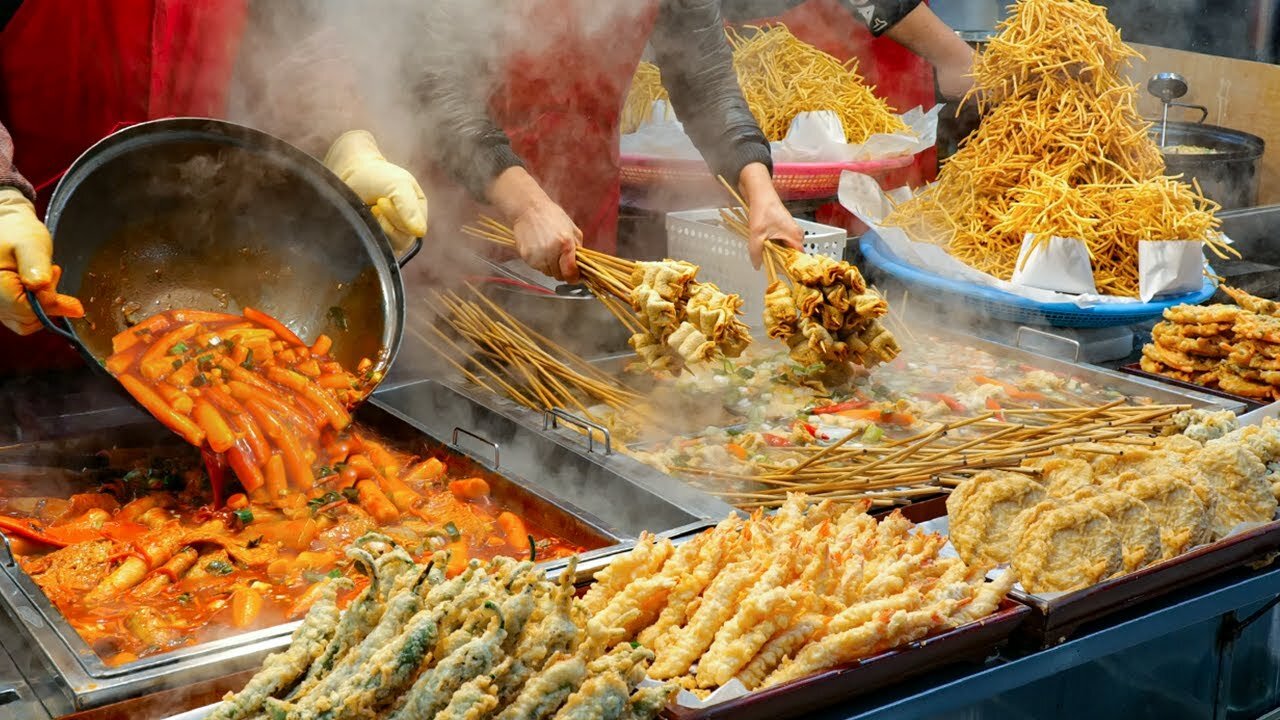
(877, 15)
(453, 79)
(9, 175)
(697, 69)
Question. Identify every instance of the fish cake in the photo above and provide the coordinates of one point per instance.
(1064, 476)
(1233, 471)
(1179, 360)
(1139, 534)
(1237, 385)
(1201, 314)
(965, 490)
(980, 529)
(1066, 547)
(1179, 508)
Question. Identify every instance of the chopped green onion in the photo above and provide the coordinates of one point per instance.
(205, 362)
(255, 542)
(244, 515)
(533, 550)
(334, 573)
(219, 567)
(176, 364)
(452, 530)
(248, 360)
(746, 373)
(178, 348)
(339, 317)
(184, 598)
(199, 380)
(350, 494)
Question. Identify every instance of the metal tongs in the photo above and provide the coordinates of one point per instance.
(1169, 86)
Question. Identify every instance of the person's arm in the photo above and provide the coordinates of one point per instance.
(697, 69)
(9, 175)
(908, 22)
(454, 84)
(924, 33)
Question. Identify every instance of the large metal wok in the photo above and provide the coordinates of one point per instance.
(206, 214)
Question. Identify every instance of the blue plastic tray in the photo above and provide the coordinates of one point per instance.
(1001, 305)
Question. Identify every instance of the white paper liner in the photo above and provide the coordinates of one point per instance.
(814, 137)
(942, 526)
(1164, 267)
(1062, 265)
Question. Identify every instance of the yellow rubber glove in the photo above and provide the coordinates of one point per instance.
(26, 257)
(389, 190)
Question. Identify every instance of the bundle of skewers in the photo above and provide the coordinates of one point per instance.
(821, 308)
(498, 353)
(674, 320)
(935, 459)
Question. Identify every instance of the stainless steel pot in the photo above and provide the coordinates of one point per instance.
(1229, 174)
(205, 214)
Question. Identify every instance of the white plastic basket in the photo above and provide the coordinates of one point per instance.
(698, 237)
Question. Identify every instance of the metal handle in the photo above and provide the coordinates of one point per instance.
(47, 321)
(9, 695)
(1204, 111)
(460, 431)
(417, 246)
(549, 419)
(1033, 331)
(6, 551)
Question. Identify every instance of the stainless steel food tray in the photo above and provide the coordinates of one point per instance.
(67, 675)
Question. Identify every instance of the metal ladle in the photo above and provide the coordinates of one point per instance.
(1169, 86)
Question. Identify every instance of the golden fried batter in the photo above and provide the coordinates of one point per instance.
(1198, 347)
(1066, 548)
(1178, 360)
(1158, 368)
(1064, 476)
(1236, 385)
(1201, 314)
(980, 530)
(1252, 303)
(1180, 509)
(1191, 330)
(1258, 327)
(1139, 535)
(1240, 480)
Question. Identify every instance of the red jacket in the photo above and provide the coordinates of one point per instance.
(71, 72)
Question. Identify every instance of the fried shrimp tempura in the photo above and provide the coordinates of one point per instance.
(782, 645)
(760, 616)
(644, 559)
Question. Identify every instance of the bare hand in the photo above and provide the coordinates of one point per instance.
(954, 81)
(547, 240)
(770, 220)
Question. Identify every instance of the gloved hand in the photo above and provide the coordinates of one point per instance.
(389, 190)
(547, 240)
(26, 252)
